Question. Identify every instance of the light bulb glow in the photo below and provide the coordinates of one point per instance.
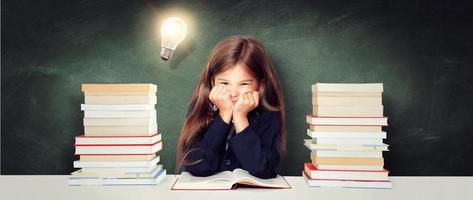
(173, 32)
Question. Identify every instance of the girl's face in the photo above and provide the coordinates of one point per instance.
(237, 80)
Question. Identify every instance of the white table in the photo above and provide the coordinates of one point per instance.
(55, 187)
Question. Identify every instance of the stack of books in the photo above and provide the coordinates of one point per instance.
(121, 142)
(346, 137)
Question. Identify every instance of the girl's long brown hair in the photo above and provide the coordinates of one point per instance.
(248, 52)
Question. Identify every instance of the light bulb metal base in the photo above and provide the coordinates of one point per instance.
(166, 53)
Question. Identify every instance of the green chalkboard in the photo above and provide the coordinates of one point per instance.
(422, 52)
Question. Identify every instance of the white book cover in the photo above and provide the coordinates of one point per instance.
(145, 121)
(116, 100)
(119, 157)
(347, 94)
(105, 174)
(344, 147)
(111, 164)
(355, 141)
(82, 139)
(346, 101)
(74, 181)
(348, 111)
(119, 114)
(118, 149)
(121, 170)
(335, 128)
(109, 93)
(136, 107)
(347, 121)
(347, 87)
(121, 130)
(119, 87)
(348, 154)
(333, 134)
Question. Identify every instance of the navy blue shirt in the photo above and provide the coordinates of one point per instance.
(255, 149)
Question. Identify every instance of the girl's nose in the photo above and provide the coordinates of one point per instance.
(234, 91)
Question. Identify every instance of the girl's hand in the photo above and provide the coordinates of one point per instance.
(220, 97)
(245, 104)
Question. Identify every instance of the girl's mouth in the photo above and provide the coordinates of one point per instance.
(234, 99)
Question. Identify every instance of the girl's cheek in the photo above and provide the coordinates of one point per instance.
(245, 90)
(250, 89)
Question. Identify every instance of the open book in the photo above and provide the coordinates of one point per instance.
(226, 180)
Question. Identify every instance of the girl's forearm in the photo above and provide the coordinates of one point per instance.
(240, 122)
(226, 116)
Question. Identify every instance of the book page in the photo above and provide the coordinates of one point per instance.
(225, 176)
(222, 180)
(244, 177)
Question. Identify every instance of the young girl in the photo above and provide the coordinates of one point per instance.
(236, 117)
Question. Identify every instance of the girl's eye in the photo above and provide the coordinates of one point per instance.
(245, 84)
(223, 83)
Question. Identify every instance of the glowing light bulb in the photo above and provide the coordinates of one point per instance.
(173, 32)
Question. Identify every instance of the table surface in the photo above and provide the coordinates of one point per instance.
(56, 187)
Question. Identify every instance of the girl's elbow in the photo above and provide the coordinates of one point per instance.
(264, 174)
(264, 171)
(199, 171)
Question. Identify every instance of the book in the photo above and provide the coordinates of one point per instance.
(344, 147)
(115, 164)
(346, 94)
(113, 100)
(226, 180)
(346, 183)
(335, 128)
(147, 121)
(105, 181)
(115, 93)
(118, 157)
(350, 167)
(342, 141)
(156, 169)
(109, 88)
(346, 134)
(346, 101)
(121, 130)
(118, 149)
(119, 170)
(347, 111)
(347, 121)
(347, 87)
(349, 154)
(117, 107)
(314, 173)
(345, 160)
(98, 140)
(119, 113)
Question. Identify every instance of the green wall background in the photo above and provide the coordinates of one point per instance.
(421, 51)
